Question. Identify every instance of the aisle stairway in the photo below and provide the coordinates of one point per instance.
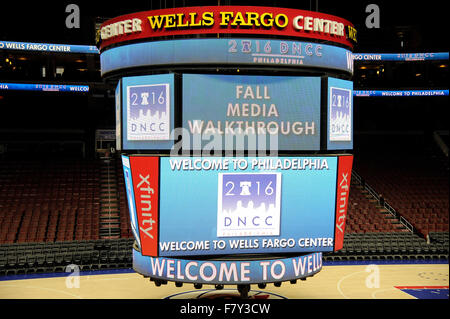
(365, 214)
(109, 201)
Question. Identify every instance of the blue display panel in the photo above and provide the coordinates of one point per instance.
(147, 112)
(221, 205)
(234, 51)
(45, 87)
(48, 47)
(259, 107)
(422, 56)
(340, 114)
(228, 272)
(404, 93)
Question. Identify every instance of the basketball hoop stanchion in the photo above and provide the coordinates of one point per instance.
(237, 176)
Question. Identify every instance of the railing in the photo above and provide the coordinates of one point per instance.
(440, 142)
(407, 224)
(372, 192)
(388, 207)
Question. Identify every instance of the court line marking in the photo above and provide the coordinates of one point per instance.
(342, 279)
(43, 288)
(382, 290)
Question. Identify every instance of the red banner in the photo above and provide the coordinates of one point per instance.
(227, 20)
(342, 193)
(145, 173)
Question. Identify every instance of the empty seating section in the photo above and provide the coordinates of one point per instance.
(391, 246)
(418, 188)
(47, 201)
(29, 258)
(9, 224)
(60, 201)
(51, 215)
(364, 216)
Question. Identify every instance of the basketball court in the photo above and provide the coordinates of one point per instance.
(358, 281)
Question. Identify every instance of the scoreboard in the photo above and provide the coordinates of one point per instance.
(234, 148)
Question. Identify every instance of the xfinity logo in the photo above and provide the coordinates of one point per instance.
(343, 195)
(146, 211)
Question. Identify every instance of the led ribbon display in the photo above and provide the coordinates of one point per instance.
(238, 52)
(228, 272)
(244, 20)
(44, 87)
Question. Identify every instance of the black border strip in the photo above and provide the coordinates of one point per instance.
(159, 204)
(335, 202)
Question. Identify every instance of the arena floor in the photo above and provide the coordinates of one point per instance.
(360, 281)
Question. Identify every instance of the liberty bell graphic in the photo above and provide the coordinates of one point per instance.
(245, 188)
